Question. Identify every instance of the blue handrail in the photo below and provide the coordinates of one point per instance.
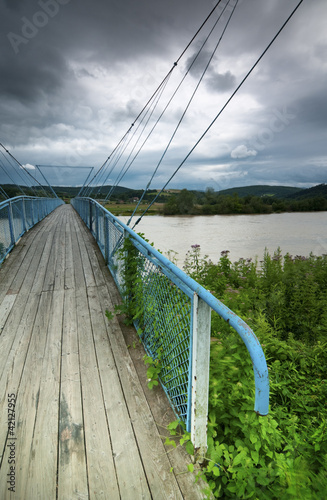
(250, 340)
(18, 215)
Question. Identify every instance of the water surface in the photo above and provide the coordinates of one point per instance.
(243, 235)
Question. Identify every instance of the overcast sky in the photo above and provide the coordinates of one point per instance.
(76, 73)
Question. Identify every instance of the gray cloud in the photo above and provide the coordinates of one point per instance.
(221, 82)
(71, 86)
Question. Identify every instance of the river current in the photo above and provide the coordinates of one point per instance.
(244, 236)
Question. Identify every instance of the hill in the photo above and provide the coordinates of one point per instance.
(313, 192)
(66, 191)
(275, 191)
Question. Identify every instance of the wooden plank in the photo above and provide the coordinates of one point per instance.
(49, 278)
(132, 480)
(28, 399)
(72, 475)
(42, 481)
(5, 308)
(100, 465)
(8, 335)
(78, 267)
(96, 258)
(59, 274)
(87, 269)
(69, 262)
(163, 415)
(162, 482)
(13, 360)
(14, 284)
(43, 264)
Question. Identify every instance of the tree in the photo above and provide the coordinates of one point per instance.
(186, 202)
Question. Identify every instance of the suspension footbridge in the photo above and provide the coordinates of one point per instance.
(84, 423)
(77, 417)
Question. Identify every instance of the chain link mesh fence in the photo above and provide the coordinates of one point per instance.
(18, 215)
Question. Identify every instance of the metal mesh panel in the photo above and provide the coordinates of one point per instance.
(35, 211)
(169, 309)
(166, 326)
(115, 242)
(100, 231)
(164, 316)
(29, 213)
(18, 218)
(5, 237)
(92, 219)
(19, 214)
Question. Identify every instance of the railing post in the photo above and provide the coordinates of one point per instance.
(11, 224)
(32, 211)
(200, 375)
(97, 225)
(106, 239)
(24, 215)
(90, 216)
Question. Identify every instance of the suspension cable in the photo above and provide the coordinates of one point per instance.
(221, 110)
(158, 88)
(191, 98)
(14, 170)
(15, 183)
(155, 104)
(25, 171)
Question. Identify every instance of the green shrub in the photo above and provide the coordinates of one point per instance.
(283, 455)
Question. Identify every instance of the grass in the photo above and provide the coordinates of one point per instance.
(128, 208)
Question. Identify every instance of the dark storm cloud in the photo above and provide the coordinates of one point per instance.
(30, 79)
(200, 63)
(221, 82)
(74, 74)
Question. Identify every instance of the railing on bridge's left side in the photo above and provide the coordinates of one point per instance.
(18, 215)
(174, 319)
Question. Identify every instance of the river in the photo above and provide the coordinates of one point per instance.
(244, 236)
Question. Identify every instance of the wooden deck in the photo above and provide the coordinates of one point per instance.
(86, 426)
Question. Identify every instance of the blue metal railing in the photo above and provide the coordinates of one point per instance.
(175, 308)
(18, 215)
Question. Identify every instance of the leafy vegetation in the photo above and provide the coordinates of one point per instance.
(211, 202)
(284, 300)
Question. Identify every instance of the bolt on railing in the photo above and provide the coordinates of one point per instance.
(174, 316)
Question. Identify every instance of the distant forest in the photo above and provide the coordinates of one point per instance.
(247, 200)
(239, 200)
(120, 194)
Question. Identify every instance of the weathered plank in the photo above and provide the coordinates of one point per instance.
(162, 482)
(87, 269)
(42, 481)
(50, 275)
(28, 394)
(13, 360)
(78, 265)
(72, 474)
(132, 480)
(5, 308)
(69, 262)
(100, 465)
